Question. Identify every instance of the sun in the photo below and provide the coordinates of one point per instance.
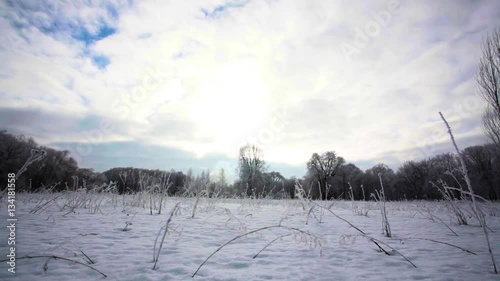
(231, 104)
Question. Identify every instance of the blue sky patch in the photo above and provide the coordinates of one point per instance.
(220, 9)
(85, 36)
(112, 12)
(100, 61)
(89, 122)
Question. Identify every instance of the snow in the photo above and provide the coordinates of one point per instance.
(344, 253)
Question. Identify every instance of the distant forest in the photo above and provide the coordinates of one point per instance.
(329, 176)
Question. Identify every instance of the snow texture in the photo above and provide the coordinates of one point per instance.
(344, 255)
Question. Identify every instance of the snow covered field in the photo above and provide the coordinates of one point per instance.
(326, 248)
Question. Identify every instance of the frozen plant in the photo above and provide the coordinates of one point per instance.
(380, 198)
(375, 241)
(355, 208)
(36, 155)
(50, 257)
(313, 240)
(477, 210)
(301, 194)
(129, 222)
(453, 202)
(156, 254)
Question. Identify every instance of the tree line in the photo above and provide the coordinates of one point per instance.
(328, 175)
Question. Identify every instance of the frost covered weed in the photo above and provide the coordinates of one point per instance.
(380, 198)
(428, 214)
(382, 246)
(453, 203)
(72, 250)
(347, 239)
(36, 155)
(308, 205)
(43, 205)
(301, 236)
(354, 207)
(300, 193)
(156, 254)
(241, 226)
(89, 198)
(475, 206)
(129, 222)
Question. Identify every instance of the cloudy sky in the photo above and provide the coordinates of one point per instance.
(180, 84)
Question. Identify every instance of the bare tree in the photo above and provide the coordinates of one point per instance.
(123, 177)
(488, 78)
(491, 124)
(481, 163)
(323, 168)
(273, 183)
(251, 169)
(414, 175)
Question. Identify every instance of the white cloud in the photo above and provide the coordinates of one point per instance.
(234, 68)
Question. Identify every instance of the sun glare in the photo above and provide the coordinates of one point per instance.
(231, 104)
